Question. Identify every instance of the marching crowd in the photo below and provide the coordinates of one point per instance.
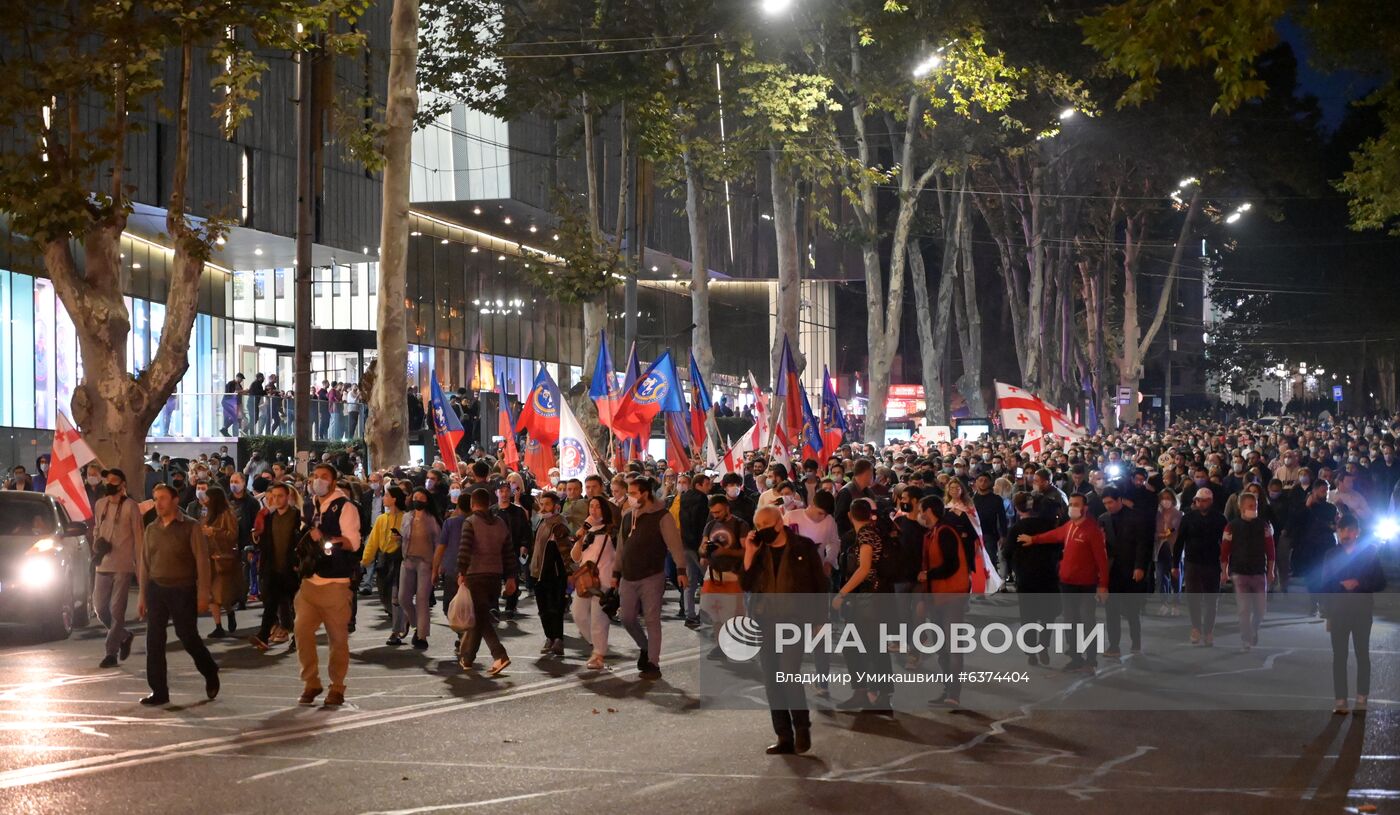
(1109, 520)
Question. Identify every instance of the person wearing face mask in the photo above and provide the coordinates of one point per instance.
(517, 522)
(118, 533)
(947, 558)
(437, 487)
(595, 545)
(41, 477)
(693, 515)
(1083, 573)
(1035, 570)
(1351, 573)
(93, 483)
(384, 548)
(199, 507)
(772, 495)
(742, 503)
(647, 533)
(1247, 556)
(418, 534)
(1317, 539)
(778, 561)
(325, 595)
(1167, 526)
(245, 511)
(860, 486)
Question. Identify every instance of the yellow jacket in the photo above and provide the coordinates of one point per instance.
(380, 538)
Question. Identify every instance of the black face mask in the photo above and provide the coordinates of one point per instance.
(420, 504)
(112, 489)
(178, 485)
(763, 537)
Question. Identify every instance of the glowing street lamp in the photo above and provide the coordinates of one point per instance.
(928, 66)
(1067, 114)
(772, 7)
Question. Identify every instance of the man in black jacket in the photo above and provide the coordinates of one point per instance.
(694, 515)
(1036, 570)
(779, 561)
(518, 524)
(741, 502)
(991, 513)
(1199, 541)
(1129, 550)
(862, 477)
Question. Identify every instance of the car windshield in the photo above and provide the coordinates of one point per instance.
(22, 514)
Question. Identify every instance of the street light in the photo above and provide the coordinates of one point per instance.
(1232, 217)
(771, 7)
(928, 66)
(1067, 114)
(1186, 182)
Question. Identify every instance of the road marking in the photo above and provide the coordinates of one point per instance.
(271, 773)
(468, 805)
(216, 744)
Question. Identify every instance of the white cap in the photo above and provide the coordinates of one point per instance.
(1204, 492)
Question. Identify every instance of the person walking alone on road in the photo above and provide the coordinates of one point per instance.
(276, 531)
(119, 532)
(1350, 575)
(174, 588)
(486, 559)
(325, 594)
(1198, 550)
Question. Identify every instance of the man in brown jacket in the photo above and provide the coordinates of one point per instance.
(174, 588)
(486, 557)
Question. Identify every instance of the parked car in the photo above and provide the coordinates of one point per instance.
(45, 570)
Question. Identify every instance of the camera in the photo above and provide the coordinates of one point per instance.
(101, 548)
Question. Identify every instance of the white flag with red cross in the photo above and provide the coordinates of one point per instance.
(1023, 410)
(70, 454)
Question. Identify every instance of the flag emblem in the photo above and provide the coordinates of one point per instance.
(652, 389)
(571, 455)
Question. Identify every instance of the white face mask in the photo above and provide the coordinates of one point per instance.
(1250, 514)
(1075, 513)
(321, 487)
(732, 491)
(633, 502)
(454, 494)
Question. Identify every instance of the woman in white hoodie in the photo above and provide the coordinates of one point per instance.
(597, 544)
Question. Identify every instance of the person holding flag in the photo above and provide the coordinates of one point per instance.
(447, 427)
(118, 536)
(510, 453)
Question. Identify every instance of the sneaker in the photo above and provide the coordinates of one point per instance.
(126, 646)
(651, 672)
(218, 633)
(692, 623)
(211, 685)
(335, 698)
(394, 639)
(156, 699)
(308, 696)
(108, 661)
(420, 643)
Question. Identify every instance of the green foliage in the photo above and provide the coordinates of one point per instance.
(55, 175)
(1143, 38)
(582, 270)
(1373, 182)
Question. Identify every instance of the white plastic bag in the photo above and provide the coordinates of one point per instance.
(460, 613)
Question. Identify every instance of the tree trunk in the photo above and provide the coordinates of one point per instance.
(698, 222)
(970, 316)
(784, 189)
(932, 329)
(387, 431)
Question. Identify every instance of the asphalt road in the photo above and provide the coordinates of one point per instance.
(419, 737)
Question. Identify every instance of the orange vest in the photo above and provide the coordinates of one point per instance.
(960, 581)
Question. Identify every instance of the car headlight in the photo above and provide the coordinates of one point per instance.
(38, 572)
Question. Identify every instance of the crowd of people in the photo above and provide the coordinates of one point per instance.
(1110, 520)
(264, 407)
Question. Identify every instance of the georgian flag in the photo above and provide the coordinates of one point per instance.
(1023, 410)
(70, 454)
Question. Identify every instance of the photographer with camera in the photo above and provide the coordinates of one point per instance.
(117, 533)
(778, 561)
(721, 557)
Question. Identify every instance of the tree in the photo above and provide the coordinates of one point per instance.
(386, 432)
(78, 74)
